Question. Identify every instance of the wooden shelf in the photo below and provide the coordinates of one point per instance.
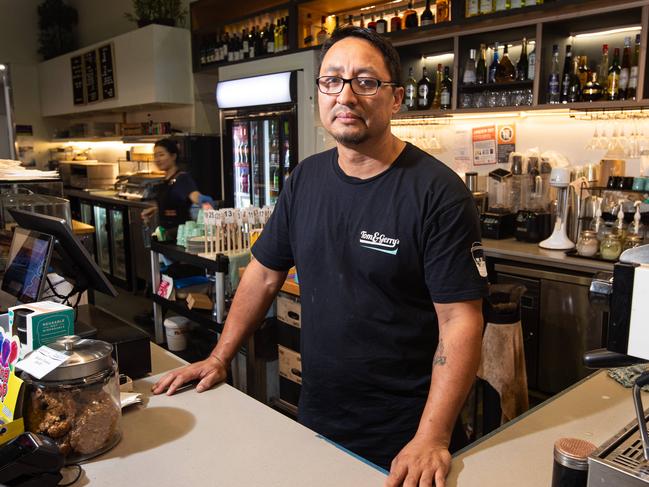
(213, 67)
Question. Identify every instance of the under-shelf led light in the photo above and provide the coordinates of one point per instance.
(618, 30)
(438, 57)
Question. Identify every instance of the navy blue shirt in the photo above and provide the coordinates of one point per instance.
(173, 200)
(372, 256)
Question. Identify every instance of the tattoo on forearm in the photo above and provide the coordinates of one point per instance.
(440, 355)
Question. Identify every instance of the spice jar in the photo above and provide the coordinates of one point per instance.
(571, 462)
(632, 240)
(77, 404)
(587, 245)
(611, 247)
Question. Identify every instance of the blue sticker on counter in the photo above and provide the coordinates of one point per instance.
(358, 457)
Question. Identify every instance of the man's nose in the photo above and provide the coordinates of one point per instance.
(347, 95)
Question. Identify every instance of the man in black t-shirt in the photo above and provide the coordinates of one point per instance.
(386, 243)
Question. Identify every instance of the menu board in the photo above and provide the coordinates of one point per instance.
(91, 76)
(107, 72)
(76, 65)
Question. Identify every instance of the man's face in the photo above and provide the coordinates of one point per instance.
(352, 119)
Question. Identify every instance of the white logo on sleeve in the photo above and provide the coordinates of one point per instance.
(379, 242)
(478, 256)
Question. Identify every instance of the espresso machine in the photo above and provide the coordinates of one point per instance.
(534, 219)
(498, 221)
(623, 461)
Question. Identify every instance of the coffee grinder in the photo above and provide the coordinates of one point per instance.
(534, 220)
(498, 221)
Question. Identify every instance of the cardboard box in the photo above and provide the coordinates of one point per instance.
(45, 322)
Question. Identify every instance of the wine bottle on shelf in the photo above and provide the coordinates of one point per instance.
(523, 64)
(472, 8)
(395, 22)
(362, 22)
(372, 24)
(252, 41)
(322, 35)
(613, 90)
(486, 7)
(531, 64)
(567, 74)
(446, 90)
(505, 71)
(265, 38)
(410, 88)
(245, 43)
(574, 90)
(337, 22)
(285, 33)
(350, 20)
(493, 67)
(592, 91)
(602, 78)
(439, 77)
(469, 76)
(443, 10)
(410, 17)
(381, 25)
(625, 68)
(424, 92)
(270, 47)
(632, 89)
(554, 81)
(427, 17)
(583, 71)
(308, 31)
(501, 5)
(481, 75)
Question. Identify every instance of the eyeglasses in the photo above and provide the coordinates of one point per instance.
(332, 85)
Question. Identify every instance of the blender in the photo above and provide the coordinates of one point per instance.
(560, 179)
(534, 219)
(498, 221)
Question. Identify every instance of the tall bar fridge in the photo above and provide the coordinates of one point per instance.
(259, 140)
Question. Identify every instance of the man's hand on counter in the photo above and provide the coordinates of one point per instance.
(420, 463)
(208, 372)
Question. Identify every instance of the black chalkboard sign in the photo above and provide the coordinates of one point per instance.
(91, 76)
(107, 72)
(76, 65)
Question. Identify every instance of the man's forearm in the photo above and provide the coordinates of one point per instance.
(454, 368)
(257, 289)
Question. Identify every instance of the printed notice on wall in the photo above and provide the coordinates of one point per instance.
(484, 145)
(506, 141)
(462, 147)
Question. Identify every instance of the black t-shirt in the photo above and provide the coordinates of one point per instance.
(372, 256)
(173, 199)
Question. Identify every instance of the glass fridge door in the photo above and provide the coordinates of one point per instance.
(241, 161)
(267, 170)
(101, 237)
(118, 244)
(256, 166)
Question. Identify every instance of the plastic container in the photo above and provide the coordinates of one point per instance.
(176, 329)
(77, 404)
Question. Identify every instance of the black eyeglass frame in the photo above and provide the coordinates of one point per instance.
(345, 81)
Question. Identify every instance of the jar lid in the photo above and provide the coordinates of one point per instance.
(634, 237)
(589, 234)
(573, 453)
(85, 358)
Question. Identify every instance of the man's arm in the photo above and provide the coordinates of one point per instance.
(258, 287)
(425, 459)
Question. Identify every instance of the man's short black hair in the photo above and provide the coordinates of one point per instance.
(389, 53)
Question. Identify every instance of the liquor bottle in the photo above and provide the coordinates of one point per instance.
(481, 76)
(278, 37)
(486, 7)
(602, 78)
(531, 64)
(337, 22)
(493, 67)
(567, 74)
(225, 55)
(251, 42)
(381, 25)
(625, 68)
(308, 31)
(350, 20)
(322, 35)
(632, 89)
(592, 91)
(424, 92)
(523, 64)
(554, 89)
(410, 17)
(501, 5)
(439, 77)
(427, 17)
(245, 44)
(574, 89)
(372, 24)
(469, 76)
(442, 10)
(265, 38)
(613, 89)
(505, 71)
(410, 86)
(270, 47)
(362, 22)
(446, 90)
(285, 33)
(583, 71)
(395, 22)
(472, 8)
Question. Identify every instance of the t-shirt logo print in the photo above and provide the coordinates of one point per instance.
(379, 242)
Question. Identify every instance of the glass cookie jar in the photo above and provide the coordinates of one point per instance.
(611, 247)
(77, 404)
(588, 245)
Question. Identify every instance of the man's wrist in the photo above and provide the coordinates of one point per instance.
(219, 360)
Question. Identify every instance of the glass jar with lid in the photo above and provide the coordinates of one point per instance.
(587, 245)
(77, 404)
(632, 240)
(611, 247)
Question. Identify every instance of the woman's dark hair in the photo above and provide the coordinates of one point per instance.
(169, 144)
(389, 53)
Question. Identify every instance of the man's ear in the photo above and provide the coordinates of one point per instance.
(398, 93)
